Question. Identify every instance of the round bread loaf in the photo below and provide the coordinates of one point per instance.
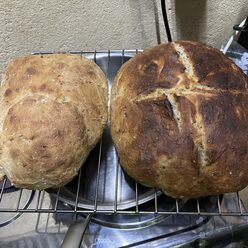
(53, 112)
(179, 120)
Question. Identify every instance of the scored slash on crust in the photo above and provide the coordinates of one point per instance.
(198, 125)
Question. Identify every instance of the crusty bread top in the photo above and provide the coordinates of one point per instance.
(180, 120)
(53, 112)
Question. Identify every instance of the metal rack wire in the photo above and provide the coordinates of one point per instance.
(42, 202)
(40, 207)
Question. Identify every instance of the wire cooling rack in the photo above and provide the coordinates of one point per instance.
(142, 200)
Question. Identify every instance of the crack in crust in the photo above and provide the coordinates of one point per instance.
(186, 62)
(199, 140)
(176, 112)
(170, 96)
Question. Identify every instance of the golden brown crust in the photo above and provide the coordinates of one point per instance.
(179, 121)
(53, 112)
